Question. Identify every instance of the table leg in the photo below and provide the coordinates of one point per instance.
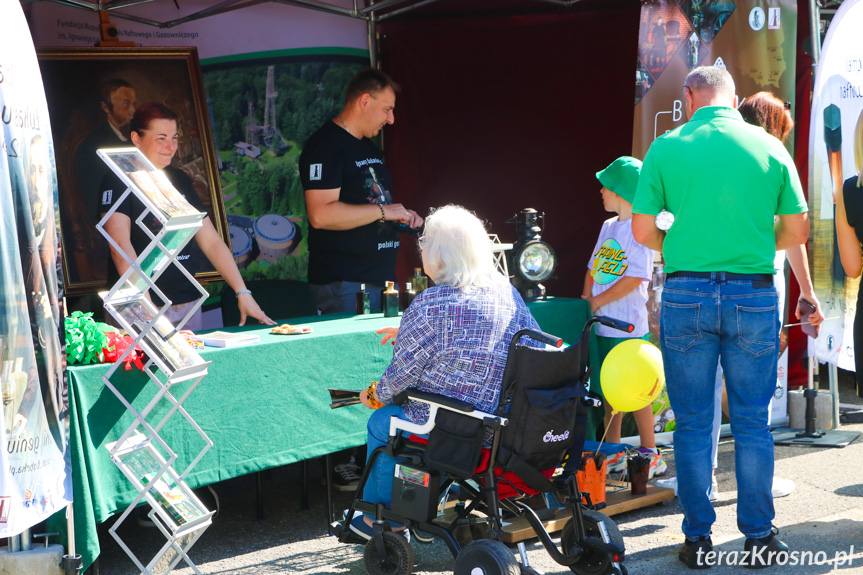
(304, 493)
(328, 464)
(259, 496)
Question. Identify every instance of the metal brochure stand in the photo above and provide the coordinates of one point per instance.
(142, 455)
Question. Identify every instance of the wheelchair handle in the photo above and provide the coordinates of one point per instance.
(615, 323)
(539, 336)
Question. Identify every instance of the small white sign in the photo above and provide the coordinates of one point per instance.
(315, 171)
(756, 18)
(774, 18)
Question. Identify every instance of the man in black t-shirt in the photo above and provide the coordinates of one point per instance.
(353, 232)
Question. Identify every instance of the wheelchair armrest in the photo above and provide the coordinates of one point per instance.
(436, 401)
(428, 397)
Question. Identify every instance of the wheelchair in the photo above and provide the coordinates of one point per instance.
(540, 419)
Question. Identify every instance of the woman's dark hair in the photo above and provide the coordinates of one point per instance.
(146, 113)
(766, 110)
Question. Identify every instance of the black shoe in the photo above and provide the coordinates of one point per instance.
(764, 552)
(346, 476)
(421, 536)
(693, 554)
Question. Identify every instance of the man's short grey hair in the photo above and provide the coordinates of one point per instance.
(715, 79)
(457, 248)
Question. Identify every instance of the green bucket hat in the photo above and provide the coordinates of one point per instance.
(621, 177)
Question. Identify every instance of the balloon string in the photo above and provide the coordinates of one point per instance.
(605, 432)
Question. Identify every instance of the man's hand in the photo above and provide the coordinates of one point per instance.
(389, 333)
(399, 213)
(816, 317)
(326, 212)
(250, 308)
(415, 220)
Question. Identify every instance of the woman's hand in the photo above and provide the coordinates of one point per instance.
(250, 308)
(364, 398)
(389, 333)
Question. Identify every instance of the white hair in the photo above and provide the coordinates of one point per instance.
(457, 248)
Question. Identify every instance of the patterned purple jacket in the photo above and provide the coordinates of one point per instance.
(454, 342)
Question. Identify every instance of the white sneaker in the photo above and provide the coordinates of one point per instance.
(782, 487)
(671, 483)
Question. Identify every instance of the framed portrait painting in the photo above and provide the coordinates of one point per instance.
(92, 94)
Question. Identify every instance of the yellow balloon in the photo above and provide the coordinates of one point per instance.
(632, 375)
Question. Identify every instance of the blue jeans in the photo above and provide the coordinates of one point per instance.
(379, 485)
(703, 320)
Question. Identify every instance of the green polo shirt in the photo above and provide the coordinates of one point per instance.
(724, 180)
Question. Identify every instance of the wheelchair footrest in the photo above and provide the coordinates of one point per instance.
(343, 533)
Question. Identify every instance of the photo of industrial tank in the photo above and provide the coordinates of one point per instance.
(262, 112)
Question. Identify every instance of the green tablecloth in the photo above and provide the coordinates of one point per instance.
(263, 406)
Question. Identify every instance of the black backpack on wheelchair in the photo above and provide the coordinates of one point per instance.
(540, 422)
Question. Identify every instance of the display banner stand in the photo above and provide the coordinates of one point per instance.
(141, 454)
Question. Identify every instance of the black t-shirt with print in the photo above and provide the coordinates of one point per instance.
(172, 282)
(331, 159)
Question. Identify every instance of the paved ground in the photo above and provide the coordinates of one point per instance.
(824, 514)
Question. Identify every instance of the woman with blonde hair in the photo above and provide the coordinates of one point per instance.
(849, 221)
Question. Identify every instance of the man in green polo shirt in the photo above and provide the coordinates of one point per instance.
(723, 180)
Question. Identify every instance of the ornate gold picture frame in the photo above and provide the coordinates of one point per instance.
(91, 92)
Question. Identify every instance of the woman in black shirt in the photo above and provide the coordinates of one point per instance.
(154, 132)
(849, 231)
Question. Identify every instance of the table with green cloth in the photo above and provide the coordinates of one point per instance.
(263, 405)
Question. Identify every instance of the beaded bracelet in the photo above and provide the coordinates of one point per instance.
(373, 396)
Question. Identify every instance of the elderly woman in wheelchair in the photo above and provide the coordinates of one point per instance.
(441, 419)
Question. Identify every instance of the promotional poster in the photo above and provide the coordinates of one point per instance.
(837, 102)
(269, 85)
(32, 424)
(755, 40)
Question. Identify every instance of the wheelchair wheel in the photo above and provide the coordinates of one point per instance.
(592, 562)
(399, 558)
(486, 557)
